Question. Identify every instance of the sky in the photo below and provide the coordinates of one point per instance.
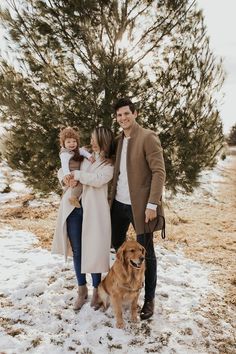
(221, 25)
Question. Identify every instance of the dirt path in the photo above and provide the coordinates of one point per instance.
(206, 231)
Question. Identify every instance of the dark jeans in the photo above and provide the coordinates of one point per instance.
(74, 231)
(121, 217)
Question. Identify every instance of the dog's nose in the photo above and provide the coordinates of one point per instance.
(141, 259)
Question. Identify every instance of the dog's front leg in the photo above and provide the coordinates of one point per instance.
(117, 308)
(134, 304)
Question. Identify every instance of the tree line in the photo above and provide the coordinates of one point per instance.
(69, 60)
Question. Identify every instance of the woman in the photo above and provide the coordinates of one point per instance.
(87, 230)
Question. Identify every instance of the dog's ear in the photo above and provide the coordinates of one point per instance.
(120, 255)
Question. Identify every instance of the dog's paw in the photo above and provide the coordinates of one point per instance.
(120, 324)
(134, 318)
(97, 307)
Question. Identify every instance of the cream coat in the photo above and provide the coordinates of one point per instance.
(96, 227)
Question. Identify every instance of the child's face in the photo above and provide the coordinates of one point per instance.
(70, 143)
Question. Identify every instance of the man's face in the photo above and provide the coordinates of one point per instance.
(125, 117)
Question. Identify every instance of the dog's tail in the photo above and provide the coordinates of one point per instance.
(103, 296)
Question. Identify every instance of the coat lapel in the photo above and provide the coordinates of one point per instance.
(130, 149)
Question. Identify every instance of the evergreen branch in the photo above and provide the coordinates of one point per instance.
(168, 31)
(33, 44)
(153, 28)
(134, 7)
(138, 14)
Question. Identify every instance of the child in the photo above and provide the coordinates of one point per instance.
(71, 156)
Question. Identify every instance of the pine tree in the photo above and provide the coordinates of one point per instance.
(231, 140)
(72, 59)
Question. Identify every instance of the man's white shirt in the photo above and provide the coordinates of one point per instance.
(122, 192)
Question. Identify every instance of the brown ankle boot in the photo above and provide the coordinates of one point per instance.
(82, 296)
(147, 310)
(75, 202)
(95, 299)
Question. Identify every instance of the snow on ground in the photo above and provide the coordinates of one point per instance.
(37, 294)
(11, 183)
(209, 182)
(12, 186)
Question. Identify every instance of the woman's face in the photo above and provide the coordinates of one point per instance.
(94, 143)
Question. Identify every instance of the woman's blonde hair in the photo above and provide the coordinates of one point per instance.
(106, 142)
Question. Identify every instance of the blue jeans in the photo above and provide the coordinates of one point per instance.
(121, 217)
(74, 231)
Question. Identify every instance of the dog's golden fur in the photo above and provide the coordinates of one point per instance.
(123, 283)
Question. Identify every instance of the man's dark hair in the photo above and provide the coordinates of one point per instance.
(122, 102)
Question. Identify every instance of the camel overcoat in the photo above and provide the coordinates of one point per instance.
(145, 170)
(96, 225)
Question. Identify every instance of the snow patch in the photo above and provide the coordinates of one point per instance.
(38, 290)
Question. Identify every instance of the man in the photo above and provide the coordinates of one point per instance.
(138, 181)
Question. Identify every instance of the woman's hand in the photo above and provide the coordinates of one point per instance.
(66, 180)
(73, 182)
(75, 175)
(91, 159)
(69, 181)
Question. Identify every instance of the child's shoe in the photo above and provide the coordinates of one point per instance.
(75, 202)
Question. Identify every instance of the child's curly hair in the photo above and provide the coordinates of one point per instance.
(69, 132)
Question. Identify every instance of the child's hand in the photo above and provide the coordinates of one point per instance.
(92, 159)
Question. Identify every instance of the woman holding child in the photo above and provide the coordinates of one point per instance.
(85, 231)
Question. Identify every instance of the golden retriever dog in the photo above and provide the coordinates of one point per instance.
(124, 281)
